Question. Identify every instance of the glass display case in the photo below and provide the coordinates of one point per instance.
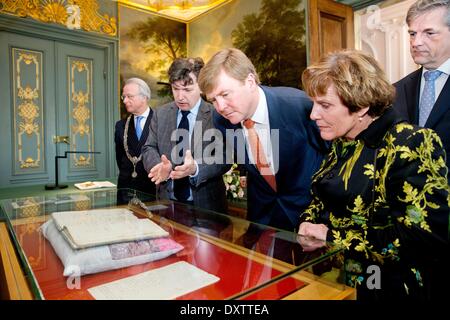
(230, 257)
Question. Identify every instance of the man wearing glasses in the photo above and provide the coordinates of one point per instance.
(130, 135)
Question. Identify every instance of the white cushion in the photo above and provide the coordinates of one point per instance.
(106, 257)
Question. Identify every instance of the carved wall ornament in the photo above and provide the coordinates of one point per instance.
(74, 14)
(81, 113)
(28, 114)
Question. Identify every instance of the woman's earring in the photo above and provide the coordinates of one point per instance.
(360, 119)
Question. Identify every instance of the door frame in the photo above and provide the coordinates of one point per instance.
(336, 11)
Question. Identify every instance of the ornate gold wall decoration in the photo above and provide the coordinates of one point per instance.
(31, 212)
(26, 219)
(83, 205)
(184, 10)
(91, 20)
(28, 115)
(55, 11)
(29, 208)
(80, 110)
(25, 234)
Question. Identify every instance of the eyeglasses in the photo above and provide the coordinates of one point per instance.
(129, 96)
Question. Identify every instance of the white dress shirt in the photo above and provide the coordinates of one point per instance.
(143, 120)
(439, 82)
(262, 127)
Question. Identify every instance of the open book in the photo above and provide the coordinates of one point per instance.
(94, 185)
(89, 228)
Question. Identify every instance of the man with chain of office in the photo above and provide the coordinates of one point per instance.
(130, 135)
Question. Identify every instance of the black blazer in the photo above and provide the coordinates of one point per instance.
(407, 104)
(141, 182)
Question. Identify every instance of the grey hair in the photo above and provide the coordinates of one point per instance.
(422, 6)
(142, 85)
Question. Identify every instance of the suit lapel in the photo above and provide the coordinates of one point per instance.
(133, 143)
(440, 107)
(202, 121)
(171, 124)
(412, 94)
(274, 123)
(144, 134)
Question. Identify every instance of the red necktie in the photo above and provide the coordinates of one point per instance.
(258, 154)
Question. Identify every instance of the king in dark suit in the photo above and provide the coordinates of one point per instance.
(130, 135)
(429, 29)
(278, 182)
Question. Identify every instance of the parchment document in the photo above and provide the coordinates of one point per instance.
(83, 229)
(94, 185)
(164, 283)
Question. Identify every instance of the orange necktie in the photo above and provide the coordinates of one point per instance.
(258, 154)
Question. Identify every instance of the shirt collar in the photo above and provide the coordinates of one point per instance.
(261, 114)
(374, 134)
(195, 109)
(145, 114)
(444, 68)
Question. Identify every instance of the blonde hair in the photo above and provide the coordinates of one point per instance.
(233, 61)
(359, 80)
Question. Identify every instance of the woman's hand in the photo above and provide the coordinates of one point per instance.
(312, 236)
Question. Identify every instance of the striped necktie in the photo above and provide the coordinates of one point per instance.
(258, 154)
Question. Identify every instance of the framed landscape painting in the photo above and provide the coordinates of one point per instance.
(272, 33)
(148, 44)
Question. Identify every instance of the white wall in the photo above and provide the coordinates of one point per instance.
(383, 32)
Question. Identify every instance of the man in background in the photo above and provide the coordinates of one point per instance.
(423, 97)
(129, 137)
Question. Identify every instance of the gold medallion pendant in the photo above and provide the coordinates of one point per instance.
(134, 160)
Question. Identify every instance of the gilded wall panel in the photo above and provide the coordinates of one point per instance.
(74, 14)
(30, 213)
(28, 111)
(81, 112)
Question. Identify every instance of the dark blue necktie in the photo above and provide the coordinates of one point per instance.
(181, 187)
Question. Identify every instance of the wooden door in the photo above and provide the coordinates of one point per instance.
(27, 104)
(330, 27)
(82, 111)
(51, 89)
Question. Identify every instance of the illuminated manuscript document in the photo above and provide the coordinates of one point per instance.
(164, 283)
(89, 228)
